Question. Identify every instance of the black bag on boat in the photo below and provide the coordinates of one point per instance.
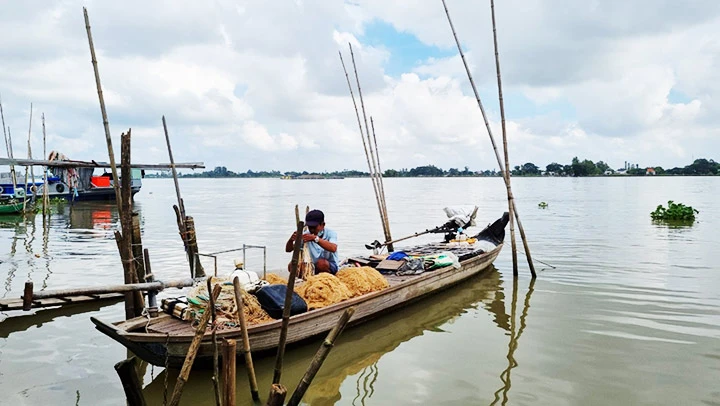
(272, 300)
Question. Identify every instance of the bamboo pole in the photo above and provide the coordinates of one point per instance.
(181, 206)
(320, 357)
(294, 268)
(229, 348)
(380, 179)
(8, 143)
(12, 155)
(192, 351)
(106, 124)
(46, 196)
(213, 329)
(388, 237)
(506, 172)
(99, 290)
(130, 381)
(137, 247)
(245, 341)
(492, 139)
(367, 156)
(149, 277)
(33, 188)
(196, 266)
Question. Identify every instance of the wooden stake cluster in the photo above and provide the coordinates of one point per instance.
(8, 144)
(506, 176)
(33, 188)
(375, 176)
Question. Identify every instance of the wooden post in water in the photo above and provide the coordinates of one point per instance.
(319, 357)
(277, 395)
(245, 340)
(28, 296)
(506, 172)
(229, 348)
(192, 351)
(137, 247)
(33, 188)
(288, 298)
(191, 236)
(46, 196)
(492, 139)
(126, 218)
(130, 381)
(213, 329)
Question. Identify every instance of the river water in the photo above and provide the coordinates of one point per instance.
(623, 311)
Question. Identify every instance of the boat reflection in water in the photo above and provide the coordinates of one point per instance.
(357, 351)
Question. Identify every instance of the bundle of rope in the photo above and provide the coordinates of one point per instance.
(307, 267)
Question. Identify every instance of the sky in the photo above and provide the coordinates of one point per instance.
(259, 85)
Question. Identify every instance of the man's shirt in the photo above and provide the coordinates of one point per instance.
(317, 252)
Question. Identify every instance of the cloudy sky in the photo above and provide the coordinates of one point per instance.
(259, 85)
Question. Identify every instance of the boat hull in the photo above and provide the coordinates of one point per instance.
(159, 349)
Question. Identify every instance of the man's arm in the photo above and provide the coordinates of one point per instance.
(327, 245)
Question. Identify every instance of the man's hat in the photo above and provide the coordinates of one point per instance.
(314, 218)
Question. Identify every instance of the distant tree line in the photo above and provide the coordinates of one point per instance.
(576, 168)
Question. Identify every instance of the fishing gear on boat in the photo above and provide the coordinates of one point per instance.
(458, 221)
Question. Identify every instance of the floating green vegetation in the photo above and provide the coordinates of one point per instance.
(675, 212)
(542, 205)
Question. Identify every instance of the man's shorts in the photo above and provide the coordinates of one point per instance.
(333, 267)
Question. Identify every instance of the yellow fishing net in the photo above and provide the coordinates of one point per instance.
(322, 290)
(362, 280)
(225, 309)
(275, 279)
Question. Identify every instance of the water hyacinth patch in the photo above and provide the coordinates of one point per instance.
(674, 212)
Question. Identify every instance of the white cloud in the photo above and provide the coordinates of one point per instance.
(257, 86)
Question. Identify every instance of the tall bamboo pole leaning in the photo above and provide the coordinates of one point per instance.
(319, 357)
(367, 131)
(506, 172)
(294, 268)
(33, 188)
(245, 340)
(367, 156)
(46, 197)
(380, 172)
(196, 268)
(492, 139)
(106, 125)
(192, 351)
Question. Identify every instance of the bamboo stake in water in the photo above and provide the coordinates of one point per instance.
(367, 156)
(229, 349)
(245, 340)
(492, 139)
(388, 237)
(46, 197)
(506, 172)
(320, 357)
(33, 188)
(294, 268)
(192, 351)
(106, 124)
(213, 328)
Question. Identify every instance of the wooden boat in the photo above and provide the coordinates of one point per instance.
(165, 339)
(11, 206)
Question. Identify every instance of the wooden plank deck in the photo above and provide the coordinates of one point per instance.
(17, 303)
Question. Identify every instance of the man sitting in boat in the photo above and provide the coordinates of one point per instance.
(321, 241)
